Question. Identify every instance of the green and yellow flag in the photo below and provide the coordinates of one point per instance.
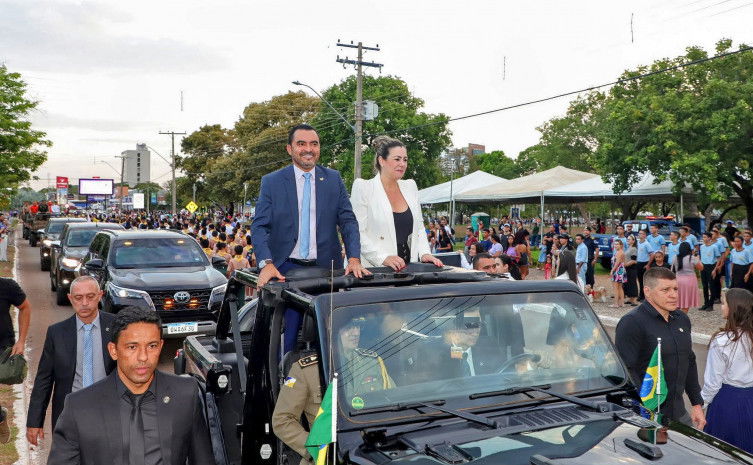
(654, 388)
(324, 430)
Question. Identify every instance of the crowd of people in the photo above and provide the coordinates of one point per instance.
(305, 218)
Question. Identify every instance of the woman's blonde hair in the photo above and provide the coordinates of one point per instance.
(382, 146)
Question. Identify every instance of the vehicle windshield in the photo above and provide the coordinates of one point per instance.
(80, 237)
(158, 253)
(55, 227)
(423, 350)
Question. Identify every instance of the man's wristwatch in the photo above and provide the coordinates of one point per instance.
(264, 263)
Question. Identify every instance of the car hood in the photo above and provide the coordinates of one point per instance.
(75, 252)
(597, 442)
(153, 279)
(52, 236)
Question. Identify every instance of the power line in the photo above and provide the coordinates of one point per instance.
(733, 9)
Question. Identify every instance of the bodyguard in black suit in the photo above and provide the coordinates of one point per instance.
(60, 368)
(137, 415)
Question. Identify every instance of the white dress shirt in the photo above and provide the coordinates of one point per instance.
(727, 363)
(299, 181)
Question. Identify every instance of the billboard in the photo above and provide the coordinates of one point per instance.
(95, 186)
(61, 182)
(138, 200)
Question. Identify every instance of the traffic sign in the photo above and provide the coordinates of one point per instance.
(192, 207)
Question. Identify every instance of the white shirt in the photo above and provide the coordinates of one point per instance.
(727, 363)
(299, 181)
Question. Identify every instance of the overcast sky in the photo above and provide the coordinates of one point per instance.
(109, 74)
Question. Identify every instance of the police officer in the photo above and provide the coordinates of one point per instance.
(301, 393)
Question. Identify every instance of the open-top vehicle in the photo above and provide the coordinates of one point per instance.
(482, 370)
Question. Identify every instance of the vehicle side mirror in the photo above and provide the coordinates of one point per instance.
(55, 244)
(218, 261)
(94, 264)
(40, 231)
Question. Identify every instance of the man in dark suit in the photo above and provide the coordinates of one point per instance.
(137, 415)
(74, 356)
(297, 217)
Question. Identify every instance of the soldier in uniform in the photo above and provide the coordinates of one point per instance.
(300, 393)
(362, 370)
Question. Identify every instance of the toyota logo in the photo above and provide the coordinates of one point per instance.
(182, 297)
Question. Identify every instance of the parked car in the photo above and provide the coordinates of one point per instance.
(549, 386)
(165, 271)
(51, 234)
(66, 256)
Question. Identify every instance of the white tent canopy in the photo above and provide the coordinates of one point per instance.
(525, 187)
(441, 193)
(596, 189)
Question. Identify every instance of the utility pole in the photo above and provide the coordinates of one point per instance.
(122, 169)
(172, 135)
(359, 64)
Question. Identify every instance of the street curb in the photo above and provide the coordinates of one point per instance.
(19, 405)
(697, 338)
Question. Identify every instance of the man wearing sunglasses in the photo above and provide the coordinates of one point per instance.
(74, 356)
(472, 354)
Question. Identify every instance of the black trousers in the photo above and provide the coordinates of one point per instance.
(641, 270)
(590, 274)
(710, 285)
(738, 276)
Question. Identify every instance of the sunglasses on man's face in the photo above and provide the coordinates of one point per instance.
(473, 324)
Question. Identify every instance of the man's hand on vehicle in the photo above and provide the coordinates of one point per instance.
(267, 273)
(698, 417)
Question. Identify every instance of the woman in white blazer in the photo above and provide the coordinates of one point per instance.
(388, 212)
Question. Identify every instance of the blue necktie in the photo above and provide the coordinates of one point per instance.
(305, 216)
(88, 377)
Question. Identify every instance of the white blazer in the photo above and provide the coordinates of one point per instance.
(377, 224)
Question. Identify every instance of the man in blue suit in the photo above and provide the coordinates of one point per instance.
(299, 210)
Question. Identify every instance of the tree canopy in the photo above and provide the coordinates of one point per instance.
(424, 135)
(21, 146)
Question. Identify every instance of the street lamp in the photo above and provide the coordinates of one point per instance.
(351, 126)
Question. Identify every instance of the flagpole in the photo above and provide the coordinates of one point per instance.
(658, 377)
(334, 419)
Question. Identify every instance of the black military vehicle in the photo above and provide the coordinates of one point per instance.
(164, 271)
(66, 256)
(51, 234)
(485, 370)
(35, 224)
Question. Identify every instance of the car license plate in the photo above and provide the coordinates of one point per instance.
(180, 328)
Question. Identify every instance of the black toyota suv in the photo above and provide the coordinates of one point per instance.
(65, 256)
(547, 385)
(50, 235)
(165, 271)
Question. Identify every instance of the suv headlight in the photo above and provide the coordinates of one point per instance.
(47, 242)
(71, 262)
(218, 293)
(125, 293)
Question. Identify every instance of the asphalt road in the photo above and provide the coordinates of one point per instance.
(45, 312)
(36, 284)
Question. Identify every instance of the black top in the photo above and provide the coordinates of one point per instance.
(635, 339)
(148, 401)
(10, 294)
(592, 247)
(403, 229)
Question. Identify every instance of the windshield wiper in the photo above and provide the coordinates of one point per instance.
(435, 404)
(589, 404)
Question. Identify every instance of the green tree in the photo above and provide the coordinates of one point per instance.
(496, 163)
(692, 125)
(20, 145)
(425, 135)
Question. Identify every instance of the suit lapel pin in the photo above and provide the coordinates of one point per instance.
(681, 330)
(107, 330)
(321, 179)
(166, 399)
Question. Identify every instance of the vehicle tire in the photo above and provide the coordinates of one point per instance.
(33, 240)
(53, 283)
(606, 263)
(25, 233)
(61, 297)
(45, 264)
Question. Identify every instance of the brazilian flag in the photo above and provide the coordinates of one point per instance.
(324, 430)
(654, 388)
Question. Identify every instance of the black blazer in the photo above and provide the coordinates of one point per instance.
(89, 429)
(57, 368)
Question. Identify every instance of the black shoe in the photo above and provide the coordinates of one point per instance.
(717, 301)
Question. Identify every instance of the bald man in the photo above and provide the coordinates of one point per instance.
(74, 357)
